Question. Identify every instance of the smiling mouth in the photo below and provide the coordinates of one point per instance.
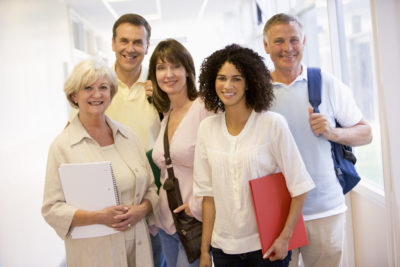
(129, 57)
(95, 103)
(170, 83)
(288, 56)
(228, 94)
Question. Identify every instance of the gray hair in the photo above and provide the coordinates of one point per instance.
(281, 18)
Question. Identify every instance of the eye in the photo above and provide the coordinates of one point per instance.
(221, 78)
(237, 79)
(104, 87)
(278, 41)
(138, 43)
(88, 88)
(294, 40)
(160, 67)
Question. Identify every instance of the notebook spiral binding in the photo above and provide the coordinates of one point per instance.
(115, 185)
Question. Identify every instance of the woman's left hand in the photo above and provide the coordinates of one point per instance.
(132, 214)
(185, 207)
(278, 250)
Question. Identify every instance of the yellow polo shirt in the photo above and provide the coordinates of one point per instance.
(131, 108)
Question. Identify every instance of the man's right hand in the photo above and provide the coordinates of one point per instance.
(320, 125)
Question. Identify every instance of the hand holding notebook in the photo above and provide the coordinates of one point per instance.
(89, 186)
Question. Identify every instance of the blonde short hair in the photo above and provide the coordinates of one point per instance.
(86, 73)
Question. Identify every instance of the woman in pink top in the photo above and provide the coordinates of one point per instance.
(172, 74)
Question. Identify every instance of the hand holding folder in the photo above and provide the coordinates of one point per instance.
(271, 201)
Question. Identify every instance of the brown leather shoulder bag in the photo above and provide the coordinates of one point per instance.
(188, 228)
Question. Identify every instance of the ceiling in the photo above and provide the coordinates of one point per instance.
(101, 14)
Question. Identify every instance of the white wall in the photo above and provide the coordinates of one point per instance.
(387, 39)
(34, 46)
(369, 228)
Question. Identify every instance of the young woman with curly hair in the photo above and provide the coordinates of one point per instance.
(248, 142)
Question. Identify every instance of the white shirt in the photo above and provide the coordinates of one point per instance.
(326, 199)
(224, 164)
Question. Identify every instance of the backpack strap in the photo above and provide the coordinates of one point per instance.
(343, 157)
(314, 87)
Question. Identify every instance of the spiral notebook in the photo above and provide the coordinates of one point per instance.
(89, 186)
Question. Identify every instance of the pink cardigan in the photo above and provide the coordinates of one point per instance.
(182, 147)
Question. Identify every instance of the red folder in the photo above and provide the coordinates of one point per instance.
(271, 201)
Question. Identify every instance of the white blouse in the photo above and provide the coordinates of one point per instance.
(224, 164)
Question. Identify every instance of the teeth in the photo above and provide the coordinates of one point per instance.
(95, 102)
(128, 57)
(229, 94)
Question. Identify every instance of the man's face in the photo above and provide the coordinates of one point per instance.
(285, 45)
(130, 46)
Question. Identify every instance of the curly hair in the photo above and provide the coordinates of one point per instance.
(259, 95)
(174, 52)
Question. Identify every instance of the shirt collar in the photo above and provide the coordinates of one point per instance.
(302, 76)
(77, 132)
(142, 77)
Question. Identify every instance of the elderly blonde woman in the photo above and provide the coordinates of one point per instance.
(91, 137)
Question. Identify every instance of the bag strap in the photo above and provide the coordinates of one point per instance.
(314, 87)
(168, 161)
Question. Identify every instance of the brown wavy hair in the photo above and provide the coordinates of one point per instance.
(174, 52)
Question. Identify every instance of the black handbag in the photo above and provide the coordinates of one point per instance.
(188, 228)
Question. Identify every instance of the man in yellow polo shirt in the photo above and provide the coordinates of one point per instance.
(131, 106)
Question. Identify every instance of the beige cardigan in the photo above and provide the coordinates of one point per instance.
(74, 145)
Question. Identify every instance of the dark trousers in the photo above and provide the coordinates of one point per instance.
(249, 259)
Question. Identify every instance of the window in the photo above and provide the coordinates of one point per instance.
(316, 27)
(86, 40)
(78, 35)
(360, 60)
(354, 35)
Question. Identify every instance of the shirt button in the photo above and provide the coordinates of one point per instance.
(139, 243)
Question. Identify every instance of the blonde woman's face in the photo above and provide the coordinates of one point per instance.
(95, 98)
